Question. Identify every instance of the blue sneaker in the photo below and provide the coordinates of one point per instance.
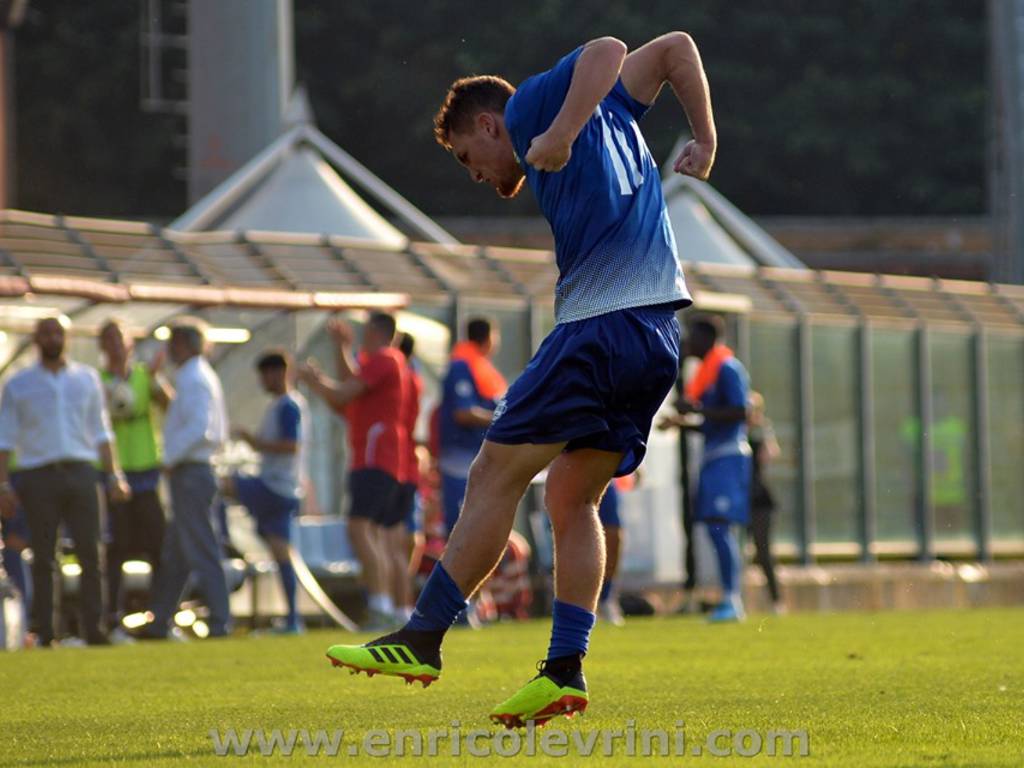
(726, 611)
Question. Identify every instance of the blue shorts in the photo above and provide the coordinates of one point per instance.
(273, 512)
(608, 512)
(723, 491)
(453, 492)
(595, 383)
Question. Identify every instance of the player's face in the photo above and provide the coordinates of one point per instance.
(486, 152)
(273, 379)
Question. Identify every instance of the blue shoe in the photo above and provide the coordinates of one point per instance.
(725, 612)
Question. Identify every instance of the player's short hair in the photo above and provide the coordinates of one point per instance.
(406, 344)
(478, 329)
(62, 320)
(710, 325)
(384, 323)
(273, 360)
(467, 98)
(191, 330)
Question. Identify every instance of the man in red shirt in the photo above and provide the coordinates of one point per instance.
(410, 549)
(371, 396)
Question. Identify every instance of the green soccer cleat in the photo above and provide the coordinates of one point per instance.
(543, 698)
(407, 654)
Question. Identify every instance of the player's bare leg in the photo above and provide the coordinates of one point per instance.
(396, 544)
(576, 481)
(498, 479)
(363, 535)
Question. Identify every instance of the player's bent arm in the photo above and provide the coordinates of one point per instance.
(338, 394)
(726, 415)
(595, 74)
(672, 59)
(283, 447)
(473, 417)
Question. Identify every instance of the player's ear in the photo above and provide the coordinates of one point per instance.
(485, 121)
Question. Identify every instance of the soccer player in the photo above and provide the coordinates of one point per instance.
(718, 393)
(470, 393)
(274, 496)
(583, 406)
(372, 398)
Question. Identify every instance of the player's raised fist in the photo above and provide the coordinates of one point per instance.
(696, 160)
(549, 152)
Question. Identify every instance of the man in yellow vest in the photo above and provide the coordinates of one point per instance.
(134, 390)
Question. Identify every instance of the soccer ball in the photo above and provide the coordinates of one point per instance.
(121, 400)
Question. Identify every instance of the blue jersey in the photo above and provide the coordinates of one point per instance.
(613, 242)
(729, 391)
(285, 419)
(459, 444)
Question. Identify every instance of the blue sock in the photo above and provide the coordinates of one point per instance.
(289, 582)
(606, 590)
(440, 602)
(728, 556)
(570, 630)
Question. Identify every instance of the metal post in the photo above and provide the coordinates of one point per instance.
(924, 511)
(866, 436)
(6, 118)
(805, 431)
(982, 461)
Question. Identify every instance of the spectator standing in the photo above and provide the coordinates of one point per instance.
(195, 430)
(133, 391)
(765, 449)
(410, 549)
(52, 414)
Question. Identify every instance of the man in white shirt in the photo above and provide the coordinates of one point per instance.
(195, 428)
(53, 417)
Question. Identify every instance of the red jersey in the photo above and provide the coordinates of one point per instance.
(411, 414)
(376, 423)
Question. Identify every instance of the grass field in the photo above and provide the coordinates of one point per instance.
(894, 689)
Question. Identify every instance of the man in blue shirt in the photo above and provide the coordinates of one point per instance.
(470, 392)
(719, 393)
(583, 406)
(274, 496)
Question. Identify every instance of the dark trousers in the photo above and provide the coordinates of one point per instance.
(761, 530)
(136, 532)
(65, 491)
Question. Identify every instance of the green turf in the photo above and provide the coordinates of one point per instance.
(895, 689)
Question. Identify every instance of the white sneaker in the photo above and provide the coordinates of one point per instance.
(72, 642)
(611, 611)
(119, 637)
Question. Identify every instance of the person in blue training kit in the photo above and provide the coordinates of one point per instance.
(584, 404)
(719, 393)
(274, 496)
(470, 392)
